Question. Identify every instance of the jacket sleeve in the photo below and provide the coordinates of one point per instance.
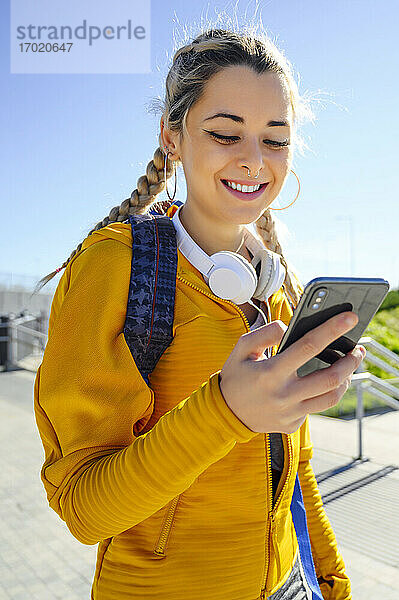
(329, 564)
(90, 402)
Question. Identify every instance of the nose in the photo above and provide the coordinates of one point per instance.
(252, 158)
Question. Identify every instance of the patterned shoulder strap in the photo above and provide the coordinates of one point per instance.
(148, 328)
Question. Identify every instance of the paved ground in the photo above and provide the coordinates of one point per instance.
(39, 558)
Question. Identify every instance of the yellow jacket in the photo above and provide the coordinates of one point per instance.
(171, 484)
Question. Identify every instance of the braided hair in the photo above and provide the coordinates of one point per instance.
(194, 63)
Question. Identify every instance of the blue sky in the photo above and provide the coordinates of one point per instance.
(74, 145)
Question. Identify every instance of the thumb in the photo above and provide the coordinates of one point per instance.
(255, 342)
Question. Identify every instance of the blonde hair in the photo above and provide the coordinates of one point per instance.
(194, 63)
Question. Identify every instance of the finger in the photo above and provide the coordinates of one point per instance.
(314, 341)
(253, 343)
(327, 379)
(323, 401)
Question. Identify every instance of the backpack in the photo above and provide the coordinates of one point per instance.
(148, 331)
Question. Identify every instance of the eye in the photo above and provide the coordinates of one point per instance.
(224, 139)
(231, 139)
(277, 144)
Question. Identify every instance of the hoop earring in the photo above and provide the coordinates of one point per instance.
(269, 207)
(165, 179)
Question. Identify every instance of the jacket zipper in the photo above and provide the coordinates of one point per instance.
(272, 513)
(270, 516)
(216, 298)
(159, 549)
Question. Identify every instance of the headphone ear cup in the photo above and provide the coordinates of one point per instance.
(279, 274)
(271, 276)
(232, 277)
(253, 274)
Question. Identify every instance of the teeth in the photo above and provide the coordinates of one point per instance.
(243, 188)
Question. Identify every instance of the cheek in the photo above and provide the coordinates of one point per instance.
(219, 153)
(281, 164)
(202, 155)
(213, 163)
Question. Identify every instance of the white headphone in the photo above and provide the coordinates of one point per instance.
(228, 274)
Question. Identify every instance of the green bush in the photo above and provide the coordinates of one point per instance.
(384, 328)
(346, 407)
(391, 300)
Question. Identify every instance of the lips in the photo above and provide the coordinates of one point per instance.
(245, 195)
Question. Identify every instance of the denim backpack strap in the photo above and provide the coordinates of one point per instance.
(301, 529)
(148, 328)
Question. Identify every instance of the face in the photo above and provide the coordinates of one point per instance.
(214, 150)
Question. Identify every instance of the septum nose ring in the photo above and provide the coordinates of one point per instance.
(249, 172)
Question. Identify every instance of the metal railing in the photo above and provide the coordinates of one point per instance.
(380, 388)
(23, 339)
(26, 339)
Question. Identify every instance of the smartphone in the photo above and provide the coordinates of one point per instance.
(324, 297)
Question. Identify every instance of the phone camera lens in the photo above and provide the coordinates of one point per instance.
(318, 298)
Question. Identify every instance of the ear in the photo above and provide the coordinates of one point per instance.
(169, 139)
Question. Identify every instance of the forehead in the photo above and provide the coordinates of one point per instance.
(239, 90)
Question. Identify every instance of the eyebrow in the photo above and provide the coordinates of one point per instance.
(241, 120)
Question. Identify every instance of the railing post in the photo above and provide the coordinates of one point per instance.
(13, 345)
(4, 341)
(359, 416)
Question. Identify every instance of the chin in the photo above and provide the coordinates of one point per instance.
(243, 215)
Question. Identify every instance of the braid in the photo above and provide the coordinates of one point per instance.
(266, 227)
(193, 66)
(148, 187)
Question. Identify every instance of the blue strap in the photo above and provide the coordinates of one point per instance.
(148, 328)
(301, 529)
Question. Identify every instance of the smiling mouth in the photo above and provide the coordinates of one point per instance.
(245, 195)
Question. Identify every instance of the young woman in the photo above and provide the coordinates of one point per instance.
(186, 483)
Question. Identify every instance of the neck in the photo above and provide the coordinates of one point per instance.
(209, 236)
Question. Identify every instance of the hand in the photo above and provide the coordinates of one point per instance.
(267, 395)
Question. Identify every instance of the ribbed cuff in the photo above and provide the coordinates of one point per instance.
(225, 416)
